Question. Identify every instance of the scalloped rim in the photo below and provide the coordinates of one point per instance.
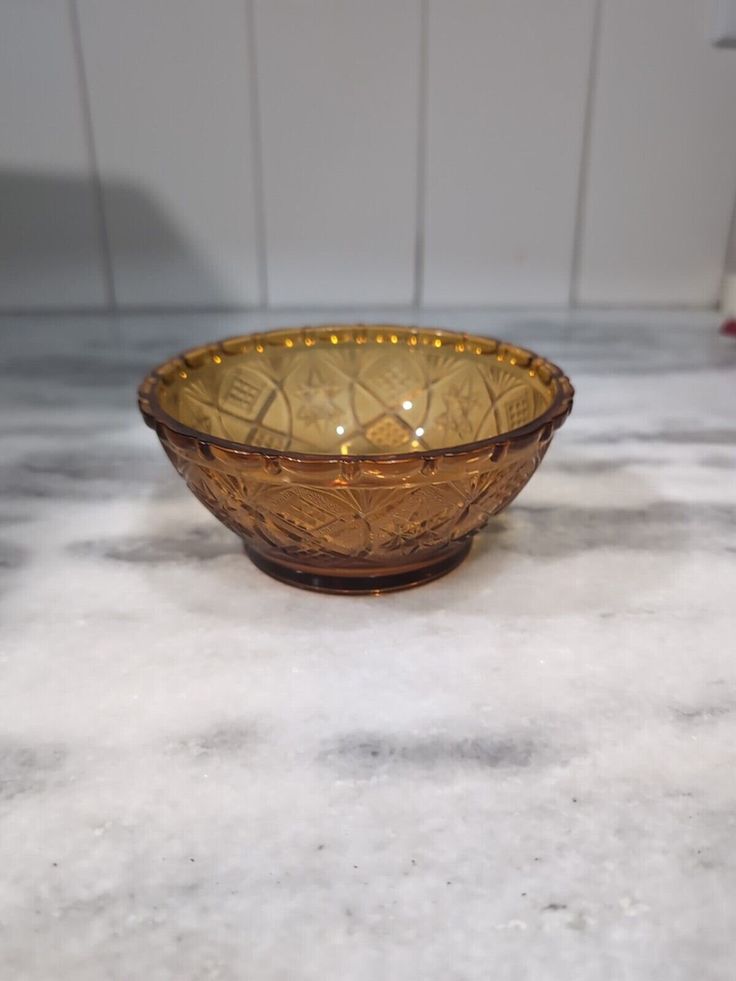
(332, 334)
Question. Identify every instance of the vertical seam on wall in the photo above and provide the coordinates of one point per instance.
(421, 158)
(584, 163)
(103, 236)
(257, 154)
(728, 265)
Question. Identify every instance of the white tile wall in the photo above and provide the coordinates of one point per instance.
(50, 251)
(169, 92)
(338, 86)
(237, 152)
(507, 86)
(662, 171)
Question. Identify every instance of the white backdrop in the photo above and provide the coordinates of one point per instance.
(215, 153)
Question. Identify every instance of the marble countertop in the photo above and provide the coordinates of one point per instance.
(524, 771)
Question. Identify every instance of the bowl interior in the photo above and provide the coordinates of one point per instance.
(362, 390)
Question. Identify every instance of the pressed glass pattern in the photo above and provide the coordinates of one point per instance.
(355, 458)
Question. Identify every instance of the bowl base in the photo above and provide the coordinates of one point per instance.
(382, 581)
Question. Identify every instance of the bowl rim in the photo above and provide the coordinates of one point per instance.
(552, 418)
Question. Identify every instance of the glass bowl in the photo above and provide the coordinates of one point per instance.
(352, 458)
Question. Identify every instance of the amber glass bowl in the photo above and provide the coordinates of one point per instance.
(352, 458)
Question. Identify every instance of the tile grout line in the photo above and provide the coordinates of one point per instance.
(728, 263)
(103, 235)
(584, 161)
(421, 151)
(257, 154)
(331, 312)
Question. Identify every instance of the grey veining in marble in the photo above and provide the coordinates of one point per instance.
(523, 772)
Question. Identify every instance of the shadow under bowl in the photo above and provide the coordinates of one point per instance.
(354, 458)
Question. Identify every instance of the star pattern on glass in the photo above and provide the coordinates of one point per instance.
(316, 396)
(459, 402)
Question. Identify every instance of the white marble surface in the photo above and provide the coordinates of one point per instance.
(526, 770)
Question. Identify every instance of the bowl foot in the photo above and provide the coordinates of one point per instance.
(380, 581)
